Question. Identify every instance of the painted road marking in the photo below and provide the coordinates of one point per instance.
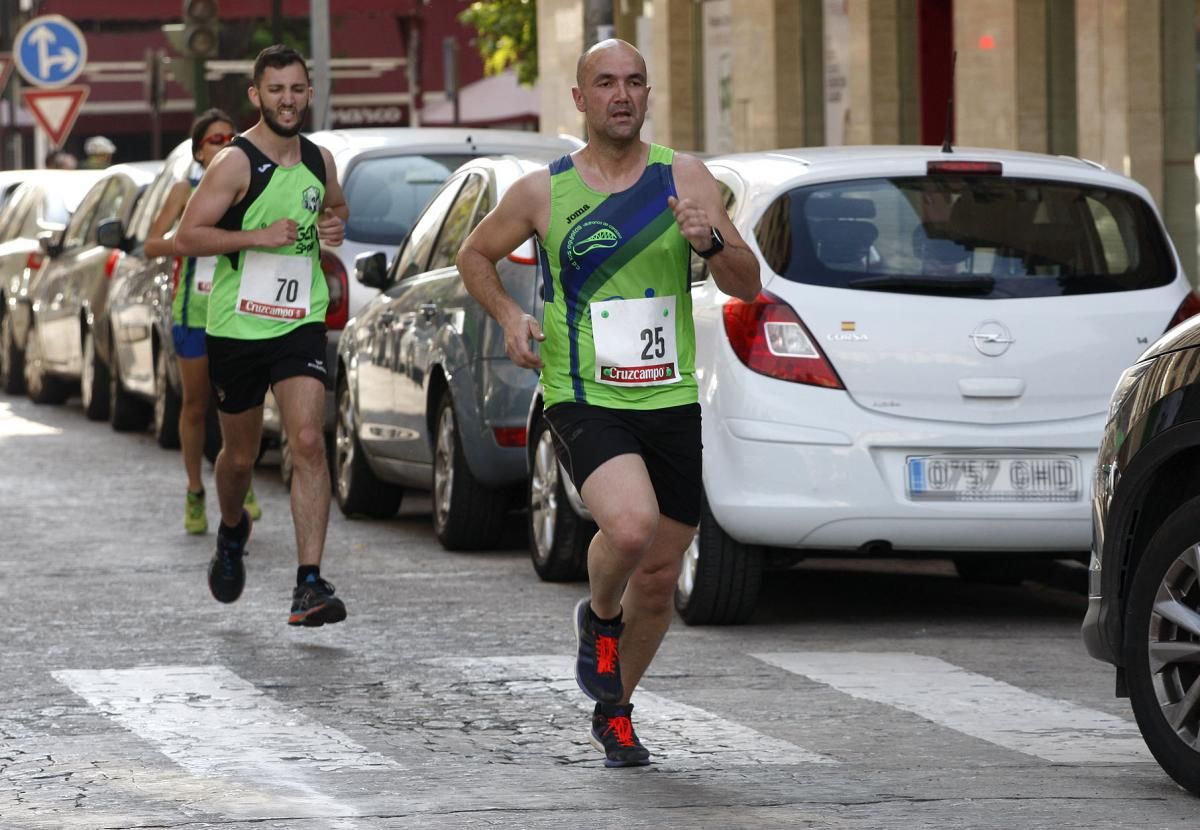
(13, 425)
(213, 723)
(676, 733)
(974, 704)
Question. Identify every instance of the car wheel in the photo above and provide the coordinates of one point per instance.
(466, 514)
(558, 536)
(12, 359)
(720, 578)
(39, 385)
(167, 404)
(356, 487)
(1162, 636)
(93, 381)
(127, 413)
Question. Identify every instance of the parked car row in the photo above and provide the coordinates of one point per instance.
(929, 369)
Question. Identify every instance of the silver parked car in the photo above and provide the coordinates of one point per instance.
(41, 204)
(67, 344)
(388, 175)
(426, 396)
(145, 374)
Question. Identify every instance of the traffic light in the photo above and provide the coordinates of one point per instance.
(200, 28)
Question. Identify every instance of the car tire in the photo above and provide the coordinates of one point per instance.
(720, 578)
(12, 359)
(558, 536)
(40, 386)
(167, 404)
(359, 492)
(466, 514)
(127, 413)
(93, 381)
(1162, 625)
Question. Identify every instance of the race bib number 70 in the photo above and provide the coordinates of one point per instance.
(275, 286)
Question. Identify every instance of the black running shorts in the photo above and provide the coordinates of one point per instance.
(668, 440)
(242, 370)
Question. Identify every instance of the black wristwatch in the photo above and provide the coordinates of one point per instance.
(718, 245)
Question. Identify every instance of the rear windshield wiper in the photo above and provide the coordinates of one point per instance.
(936, 285)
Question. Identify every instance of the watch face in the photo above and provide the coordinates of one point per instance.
(716, 238)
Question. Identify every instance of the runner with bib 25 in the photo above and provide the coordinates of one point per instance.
(617, 222)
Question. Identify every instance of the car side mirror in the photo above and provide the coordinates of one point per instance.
(111, 234)
(371, 270)
(51, 242)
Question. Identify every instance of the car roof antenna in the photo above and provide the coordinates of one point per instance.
(946, 148)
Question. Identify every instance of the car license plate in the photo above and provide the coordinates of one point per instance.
(993, 478)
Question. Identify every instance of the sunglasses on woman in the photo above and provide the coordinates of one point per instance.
(219, 139)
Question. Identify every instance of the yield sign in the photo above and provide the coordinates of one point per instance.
(6, 65)
(55, 110)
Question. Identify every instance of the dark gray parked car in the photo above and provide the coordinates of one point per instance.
(426, 396)
(1144, 582)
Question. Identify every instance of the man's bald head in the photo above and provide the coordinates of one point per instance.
(583, 66)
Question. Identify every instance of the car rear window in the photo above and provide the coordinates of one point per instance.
(978, 236)
(386, 193)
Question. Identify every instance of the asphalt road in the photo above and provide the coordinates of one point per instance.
(862, 695)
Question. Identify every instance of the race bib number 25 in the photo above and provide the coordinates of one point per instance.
(635, 342)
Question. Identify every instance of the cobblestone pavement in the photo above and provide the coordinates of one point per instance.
(863, 695)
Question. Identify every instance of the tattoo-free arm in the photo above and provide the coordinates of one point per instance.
(699, 207)
(501, 232)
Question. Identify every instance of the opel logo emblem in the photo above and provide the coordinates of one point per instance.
(992, 338)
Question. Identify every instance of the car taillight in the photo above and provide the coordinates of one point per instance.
(110, 265)
(34, 261)
(977, 168)
(770, 339)
(509, 436)
(1188, 308)
(339, 291)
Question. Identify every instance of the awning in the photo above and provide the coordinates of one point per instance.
(491, 102)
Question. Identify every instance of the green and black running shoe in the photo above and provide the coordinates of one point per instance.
(195, 517)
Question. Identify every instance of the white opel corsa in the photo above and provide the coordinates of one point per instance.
(929, 365)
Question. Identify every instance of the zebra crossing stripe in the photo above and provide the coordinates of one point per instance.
(974, 704)
(213, 723)
(677, 733)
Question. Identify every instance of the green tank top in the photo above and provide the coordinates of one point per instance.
(190, 306)
(261, 293)
(617, 312)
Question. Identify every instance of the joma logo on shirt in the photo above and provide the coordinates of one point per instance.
(578, 213)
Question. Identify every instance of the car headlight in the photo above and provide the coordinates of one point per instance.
(1126, 385)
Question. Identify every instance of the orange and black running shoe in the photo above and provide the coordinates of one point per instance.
(313, 604)
(598, 665)
(612, 734)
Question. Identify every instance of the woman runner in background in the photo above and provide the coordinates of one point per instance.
(211, 132)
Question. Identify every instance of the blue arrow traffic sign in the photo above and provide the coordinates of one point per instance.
(50, 51)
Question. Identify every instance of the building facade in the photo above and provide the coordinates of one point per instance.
(1113, 81)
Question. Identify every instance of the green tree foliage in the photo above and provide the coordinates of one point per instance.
(507, 35)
